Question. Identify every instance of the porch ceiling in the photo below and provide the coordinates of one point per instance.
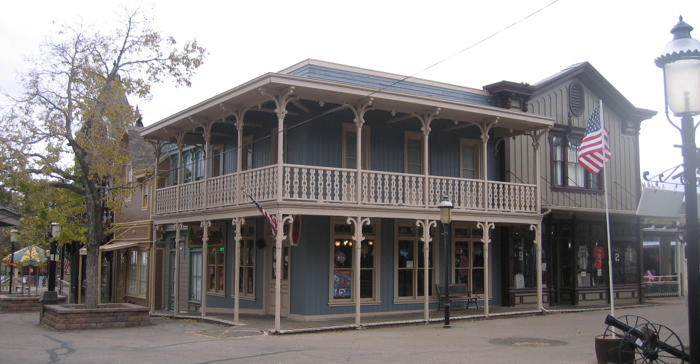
(249, 96)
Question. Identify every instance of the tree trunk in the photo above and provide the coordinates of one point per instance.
(94, 239)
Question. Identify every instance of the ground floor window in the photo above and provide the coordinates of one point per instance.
(342, 262)
(410, 261)
(195, 275)
(469, 258)
(216, 268)
(246, 257)
(138, 272)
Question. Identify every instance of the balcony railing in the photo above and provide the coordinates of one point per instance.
(338, 185)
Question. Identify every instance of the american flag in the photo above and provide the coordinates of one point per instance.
(273, 222)
(595, 148)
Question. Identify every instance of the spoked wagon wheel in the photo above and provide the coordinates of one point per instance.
(608, 345)
(651, 343)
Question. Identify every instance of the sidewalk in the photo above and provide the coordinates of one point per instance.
(561, 337)
(266, 323)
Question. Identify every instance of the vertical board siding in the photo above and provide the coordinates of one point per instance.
(622, 170)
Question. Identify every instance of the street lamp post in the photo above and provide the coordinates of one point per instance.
(680, 62)
(446, 218)
(14, 236)
(55, 231)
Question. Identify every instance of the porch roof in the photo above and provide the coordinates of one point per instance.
(249, 95)
(114, 246)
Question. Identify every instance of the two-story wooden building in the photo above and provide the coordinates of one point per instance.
(352, 164)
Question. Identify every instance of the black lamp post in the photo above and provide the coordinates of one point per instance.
(680, 62)
(55, 232)
(14, 236)
(446, 218)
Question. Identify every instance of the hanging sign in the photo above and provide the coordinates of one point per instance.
(296, 230)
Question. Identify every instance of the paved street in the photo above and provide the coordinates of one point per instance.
(554, 338)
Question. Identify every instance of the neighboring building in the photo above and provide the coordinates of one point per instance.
(573, 199)
(370, 149)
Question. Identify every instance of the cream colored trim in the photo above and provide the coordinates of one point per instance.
(412, 135)
(418, 257)
(476, 144)
(366, 146)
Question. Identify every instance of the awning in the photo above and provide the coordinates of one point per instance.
(114, 246)
(660, 203)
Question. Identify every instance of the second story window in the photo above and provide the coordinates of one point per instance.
(413, 152)
(199, 165)
(469, 158)
(566, 170)
(247, 153)
(350, 151)
(187, 165)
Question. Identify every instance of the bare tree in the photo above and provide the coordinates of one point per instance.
(66, 126)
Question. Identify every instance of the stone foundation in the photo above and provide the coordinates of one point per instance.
(19, 304)
(106, 316)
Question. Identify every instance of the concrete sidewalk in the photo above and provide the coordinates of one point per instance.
(551, 338)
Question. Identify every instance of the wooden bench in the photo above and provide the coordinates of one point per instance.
(459, 293)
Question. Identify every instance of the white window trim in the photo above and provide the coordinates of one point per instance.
(247, 234)
(435, 260)
(139, 265)
(472, 240)
(217, 161)
(477, 156)
(246, 144)
(375, 223)
(413, 135)
(366, 147)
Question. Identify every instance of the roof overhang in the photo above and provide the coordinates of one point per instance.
(248, 96)
(117, 246)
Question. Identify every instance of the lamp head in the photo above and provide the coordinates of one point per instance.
(680, 61)
(445, 207)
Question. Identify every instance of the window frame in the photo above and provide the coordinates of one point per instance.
(195, 276)
(477, 157)
(247, 271)
(592, 182)
(137, 268)
(406, 230)
(246, 151)
(366, 147)
(408, 137)
(217, 161)
(343, 232)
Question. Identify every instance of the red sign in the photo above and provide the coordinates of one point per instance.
(296, 230)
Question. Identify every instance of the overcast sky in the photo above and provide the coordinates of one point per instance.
(245, 39)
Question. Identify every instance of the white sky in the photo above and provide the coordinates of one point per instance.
(245, 39)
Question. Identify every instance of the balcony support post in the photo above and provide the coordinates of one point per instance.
(426, 239)
(359, 111)
(425, 121)
(238, 224)
(281, 99)
(486, 239)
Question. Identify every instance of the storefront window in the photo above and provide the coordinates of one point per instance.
(216, 269)
(342, 262)
(469, 258)
(138, 272)
(246, 256)
(410, 268)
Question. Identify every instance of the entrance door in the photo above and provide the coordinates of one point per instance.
(270, 268)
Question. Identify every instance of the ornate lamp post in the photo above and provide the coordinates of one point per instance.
(14, 237)
(680, 62)
(446, 218)
(55, 232)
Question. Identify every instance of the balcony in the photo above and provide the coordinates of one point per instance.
(323, 185)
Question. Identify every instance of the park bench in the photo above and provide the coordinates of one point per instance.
(458, 293)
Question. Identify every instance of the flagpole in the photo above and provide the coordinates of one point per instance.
(607, 220)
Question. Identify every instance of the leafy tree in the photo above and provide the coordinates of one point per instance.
(65, 128)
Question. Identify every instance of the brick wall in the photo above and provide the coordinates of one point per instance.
(107, 316)
(12, 304)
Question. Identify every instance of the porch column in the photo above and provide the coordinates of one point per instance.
(157, 152)
(176, 284)
(537, 228)
(238, 113)
(425, 121)
(99, 276)
(205, 224)
(279, 238)
(180, 140)
(356, 251)
(426, 239)
(237, 226)
(486, 239)
(152, 270)
(485, 127)
(206, 126)
(359, 111)
(281, 101)
(536, 136)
